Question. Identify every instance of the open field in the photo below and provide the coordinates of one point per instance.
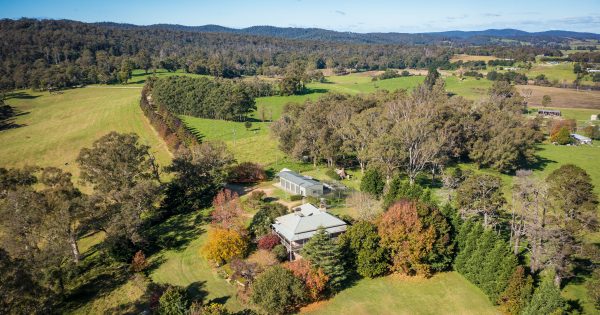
(558, 72)
(566, 98)
(56, 126)
(464, 58)
(446, 293)
(356, 83)
(469, 88)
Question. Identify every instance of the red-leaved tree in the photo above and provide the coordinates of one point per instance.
(268, 241)
(228, 210)
(314, 279)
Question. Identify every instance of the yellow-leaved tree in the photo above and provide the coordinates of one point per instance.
(224, 245)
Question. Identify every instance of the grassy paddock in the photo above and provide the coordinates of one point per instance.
(468, 88)
(565, 98)
(56, 126)
(445, 293)
(464, 57)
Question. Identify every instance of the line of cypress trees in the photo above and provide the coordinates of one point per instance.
(485, 259)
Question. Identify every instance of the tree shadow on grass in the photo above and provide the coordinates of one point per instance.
(21, 96)
(540, 163)
(8, 115)
(97, 278)
(177, 232)
(196, 291)
(220, 300)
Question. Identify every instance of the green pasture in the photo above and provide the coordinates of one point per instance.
(54, 127)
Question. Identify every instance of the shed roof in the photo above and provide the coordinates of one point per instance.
(580, 137)
(305, 221)
(298, 179)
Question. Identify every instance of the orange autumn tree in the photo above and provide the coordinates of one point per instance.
(223, 245)
(417, 236)
(228, 210)
(314, 279)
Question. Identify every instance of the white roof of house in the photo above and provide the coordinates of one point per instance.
(305, 221)
(580, 137)
(302, 181)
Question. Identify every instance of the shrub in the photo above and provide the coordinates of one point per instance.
(173, 302)
(296, 197)
(280, 252)
(224, 245)
(332, 174)
(139, 262)
(268, 241)
(247, 172)
(213, 309)
(562, 137)
(555, 125)
(263, 259)
(277, 291)
(388, 74)
(373, 183)
(593, 132)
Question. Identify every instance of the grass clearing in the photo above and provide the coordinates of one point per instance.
(445, 293)
(472, 89)
(56, 126)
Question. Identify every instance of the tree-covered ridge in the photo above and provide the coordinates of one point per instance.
(46, 54)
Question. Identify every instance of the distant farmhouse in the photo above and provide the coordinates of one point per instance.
(549, 112)
(297, 184)
(296, 228)
(579, 139)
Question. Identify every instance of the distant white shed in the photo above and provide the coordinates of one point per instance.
(581, 139)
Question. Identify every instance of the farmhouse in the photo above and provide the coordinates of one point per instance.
(297, 184)
(296, 228)
(549, 112)
(581, 139)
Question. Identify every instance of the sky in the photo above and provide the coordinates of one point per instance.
(353, 16)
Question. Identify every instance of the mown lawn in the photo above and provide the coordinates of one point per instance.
(445, 293)
(184, 265)
(56, 126)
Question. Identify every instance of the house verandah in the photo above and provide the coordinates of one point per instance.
(295, 229)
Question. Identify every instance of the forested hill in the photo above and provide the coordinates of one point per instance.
(47, 54)
(458, 37)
